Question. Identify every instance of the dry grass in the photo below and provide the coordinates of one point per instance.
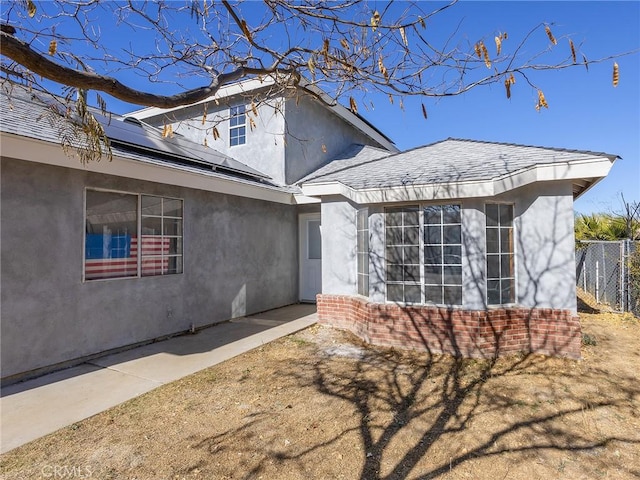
(321, 405)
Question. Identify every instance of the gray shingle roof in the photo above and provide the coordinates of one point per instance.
(354, 155)
(25, 113)
(447, 161)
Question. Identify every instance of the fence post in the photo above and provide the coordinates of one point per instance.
(597, 281)
(623, 283)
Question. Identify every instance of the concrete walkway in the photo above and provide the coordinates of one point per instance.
(34, 408)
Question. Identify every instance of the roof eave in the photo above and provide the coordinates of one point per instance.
(583, 174)
(50, 153)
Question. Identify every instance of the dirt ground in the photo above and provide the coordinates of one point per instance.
(321, 405)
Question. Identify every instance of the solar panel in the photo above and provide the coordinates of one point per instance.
(133, 133)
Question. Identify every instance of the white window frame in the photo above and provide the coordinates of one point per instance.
(236, 127)
(500, 253)
(362, 251)
(138, 196)
(421, 245)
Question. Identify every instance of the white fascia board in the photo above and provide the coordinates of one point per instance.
(305, 200)
(410, 193)
(23, 148)
(224, 92)
(595, 168)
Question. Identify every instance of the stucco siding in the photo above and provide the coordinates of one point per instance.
(264, 149)
(314, 136)
(239, 258)
(339, 247)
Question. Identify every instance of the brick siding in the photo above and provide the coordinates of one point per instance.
(463, 333)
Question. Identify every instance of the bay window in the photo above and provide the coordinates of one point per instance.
(424, 254)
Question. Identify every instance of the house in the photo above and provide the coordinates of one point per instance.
(259, 199)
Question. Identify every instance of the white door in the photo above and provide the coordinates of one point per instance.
(310, 256)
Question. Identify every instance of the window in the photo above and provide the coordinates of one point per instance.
(402, 234)
(443, 254)
(500, 258)
(130, 235)
(362, 250)
(237, 125)
(424, 254)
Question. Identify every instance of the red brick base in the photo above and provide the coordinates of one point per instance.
(464, 333)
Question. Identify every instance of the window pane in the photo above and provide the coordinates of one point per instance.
(175, 246)
(452, 275)
(493, 266)
(171, 207)
(412, 273)
(154, 265)
(492, 214)
(433, 293)
(452, 233)
(151, 225)
(433, 234)
(393, 218)
(411, 216)
(412, 255)
(433, 255)
(506, 240)
(493, 292)
(451, 214)
(395, 293)
(394, 255)
(394, 235)
(412, 294)
(411, 235)
(362, 219)
(172, 226)
(453, 254)
(394, 273)
(175, 265)
(492, 240)
(507, 290)
(151, 205)
(433, 274)
(314, 240)
(453, 295)
(506, 265)
(432, 215)
(111, 230)
(506, 215)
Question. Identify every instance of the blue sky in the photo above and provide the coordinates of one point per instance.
(585, 111)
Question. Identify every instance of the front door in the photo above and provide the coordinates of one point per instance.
(310, 257)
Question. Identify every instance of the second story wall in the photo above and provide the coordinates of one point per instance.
(314, 136)
(261, 147)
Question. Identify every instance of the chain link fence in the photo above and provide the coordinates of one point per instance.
(607, 270)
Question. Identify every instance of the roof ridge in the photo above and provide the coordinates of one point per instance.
(511, 144)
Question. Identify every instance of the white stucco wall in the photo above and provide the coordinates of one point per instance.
(339, 264)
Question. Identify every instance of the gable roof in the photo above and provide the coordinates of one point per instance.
(24, 124)
(457, 168)
(255, 84)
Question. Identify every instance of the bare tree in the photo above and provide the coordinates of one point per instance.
(339, 46)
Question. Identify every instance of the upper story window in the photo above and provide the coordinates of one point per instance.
(237, 125)
(500, 257)
(132, 235)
